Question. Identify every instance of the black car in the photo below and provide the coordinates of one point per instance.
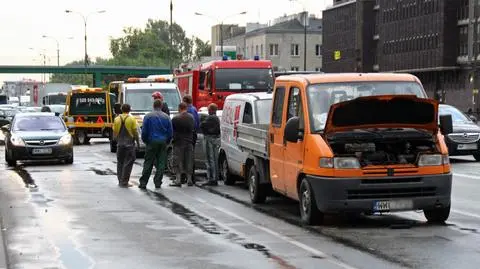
(37, 136)
(465, 139)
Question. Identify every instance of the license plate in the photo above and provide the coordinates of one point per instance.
(467, 146)
(394, 205)
(42, 151)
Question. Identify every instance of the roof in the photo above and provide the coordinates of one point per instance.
(253, 96)
(348, 77)
(290, 26)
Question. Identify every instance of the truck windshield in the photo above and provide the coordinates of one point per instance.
(88, 104)
(263, 108)
(233, 80)
(141, 99)
(322, 96)
(57, 99)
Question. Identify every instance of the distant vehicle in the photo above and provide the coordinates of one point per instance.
(465, 138)
(55, 98)
(37, 136)
(3, 99)
(57, 109)
(14, 100)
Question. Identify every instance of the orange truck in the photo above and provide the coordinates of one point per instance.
(351, 143)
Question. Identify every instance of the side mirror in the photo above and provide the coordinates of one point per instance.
(473, 118)
(446, 124)
(291, 130)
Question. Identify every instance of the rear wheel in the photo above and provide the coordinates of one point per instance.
(437, 215)
(477, 156)
(308, 206)
(258, 192)
(81, 137)
(225, 175)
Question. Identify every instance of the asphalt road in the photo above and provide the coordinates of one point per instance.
(75, 216)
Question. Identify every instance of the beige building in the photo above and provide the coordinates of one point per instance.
(228, 31)
(283, 43)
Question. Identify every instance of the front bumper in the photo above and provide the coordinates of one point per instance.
(454, 151)
(59, 152)
(334, 195)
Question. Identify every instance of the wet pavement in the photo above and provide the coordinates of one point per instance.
(75, 216)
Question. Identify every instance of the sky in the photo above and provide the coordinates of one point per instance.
(24, 22)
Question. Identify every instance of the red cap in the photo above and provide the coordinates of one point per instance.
(157, 95)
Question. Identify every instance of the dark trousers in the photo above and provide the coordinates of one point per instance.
(183, 154)
(211, 144)
(155, 155)
(125, 159)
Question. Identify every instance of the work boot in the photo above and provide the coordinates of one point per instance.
(177, 182)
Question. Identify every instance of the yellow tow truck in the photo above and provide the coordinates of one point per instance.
(89, 114)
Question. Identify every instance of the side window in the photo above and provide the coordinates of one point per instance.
(295, 108)
(208, 82)
(247, 113)
(278, 106)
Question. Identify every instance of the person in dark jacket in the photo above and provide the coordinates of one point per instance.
(193, 111)
(159, 96)
(157, 133)
(183, 131)
(211, 144)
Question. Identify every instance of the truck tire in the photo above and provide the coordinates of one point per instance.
(80, 137)
(309, 212)
(113, 146)
(437, 215)
(225, 174)
(258, 192)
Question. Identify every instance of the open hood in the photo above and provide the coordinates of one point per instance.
(385, 111)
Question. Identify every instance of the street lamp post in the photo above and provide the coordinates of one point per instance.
(221, 25)
(85, 19)
(58, 47)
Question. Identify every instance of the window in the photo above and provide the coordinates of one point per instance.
(241, 79)
(294, 50)
(248, 113)
(295, 105)
(273, 49)
(278, 106)
(318, 50)
(38, 123)
(295, 68)
(261, 51)
(256, 50)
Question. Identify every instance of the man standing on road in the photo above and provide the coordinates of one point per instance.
(156, 134)
(159, 96)
(192, 111)
(211, 144)
(125, 132)
(183, 131)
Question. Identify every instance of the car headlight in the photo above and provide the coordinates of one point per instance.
(65, 140)
(430, 160)
(2, 113)
(17, 141)
(340, 163)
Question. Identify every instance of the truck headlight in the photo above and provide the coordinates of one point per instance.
(346, 163)
(430, 160)
(446, 159)
(326, 162)
(65, 140)
(17, 141)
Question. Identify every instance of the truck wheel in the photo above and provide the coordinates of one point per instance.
(308, 206)
(437, 215)
(225, 173)
(258, 192)
(477, 156)
(113, 146)
(82, 137)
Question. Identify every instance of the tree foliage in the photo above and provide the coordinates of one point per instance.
(145, 47)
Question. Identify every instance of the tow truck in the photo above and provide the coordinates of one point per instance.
(213, 81)
(89, 114)
(137, 92)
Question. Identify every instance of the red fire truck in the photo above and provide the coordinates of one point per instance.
(211, 82)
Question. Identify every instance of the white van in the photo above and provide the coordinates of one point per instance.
(238, 108)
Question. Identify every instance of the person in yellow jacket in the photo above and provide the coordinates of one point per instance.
(126, 134)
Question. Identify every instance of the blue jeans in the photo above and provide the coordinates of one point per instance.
(211, 145)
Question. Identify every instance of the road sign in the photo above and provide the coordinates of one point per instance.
(230, 54)
(99, 119)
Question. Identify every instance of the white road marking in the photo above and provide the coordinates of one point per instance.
(278, 235)
(467, 176)
(468, 214)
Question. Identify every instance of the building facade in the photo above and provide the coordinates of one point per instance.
(431, 39)
(224, 31)
(283, 43)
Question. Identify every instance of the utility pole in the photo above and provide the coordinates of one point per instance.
(171, 36)
(305, 41)
(221, 39)
(476, 51)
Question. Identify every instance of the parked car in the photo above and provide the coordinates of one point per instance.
(465, 138)
(37, 136)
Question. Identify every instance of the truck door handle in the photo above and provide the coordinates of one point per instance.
(272, 136)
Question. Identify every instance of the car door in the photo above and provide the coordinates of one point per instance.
(275, 137)
(293, 152)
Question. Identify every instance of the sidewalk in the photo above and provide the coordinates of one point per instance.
(3, 251)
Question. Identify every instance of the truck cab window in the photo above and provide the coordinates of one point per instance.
(295, 108)
(248, 113)
(208, 80)
(278, 106)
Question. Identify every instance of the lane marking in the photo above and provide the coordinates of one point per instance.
(466, 176)
(278, 235)
(465, 213)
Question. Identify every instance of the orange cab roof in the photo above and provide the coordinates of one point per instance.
(347, 77)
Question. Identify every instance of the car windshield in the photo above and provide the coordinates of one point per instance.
(234, 80)
(322, 96)
(264, 108)
(457, 115)
(141, 99)
(88, 104)
(38, 123)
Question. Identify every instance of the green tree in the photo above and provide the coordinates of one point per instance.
(201, 49)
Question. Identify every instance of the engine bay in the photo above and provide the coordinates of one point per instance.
(383, 151)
